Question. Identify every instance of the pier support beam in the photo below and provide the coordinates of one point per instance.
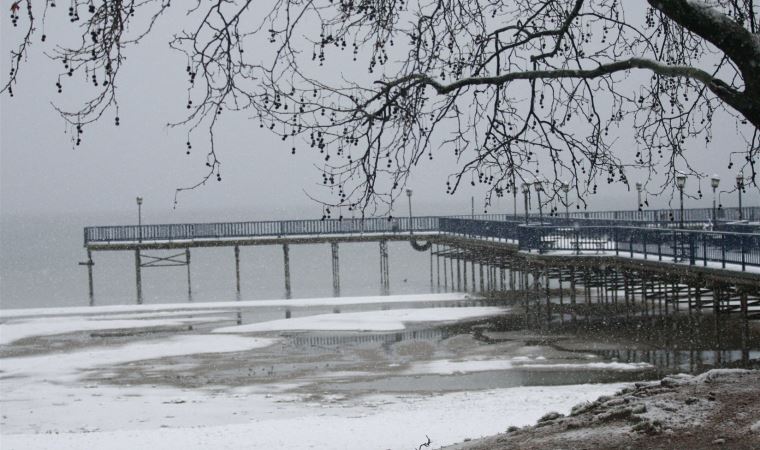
(335, 269)
(464, 271)
(445, 275)
(138, 276)
(431, 268)
(573, 299)
(89, 277)
(385, 284)
(472, 266)
(459, 274)
(438, 267)
(237, 272)
(189, 285)
(286, 260)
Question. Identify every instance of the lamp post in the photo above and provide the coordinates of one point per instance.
(409, 196)
(139, 217)
(681, 183)
(526, 192)
(714, 182)
(566, 189)
(739, 187)
(539, 188)
(639, 206)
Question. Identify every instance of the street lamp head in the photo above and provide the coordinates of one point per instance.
(715, 181)
(740, 180)
(681, 181)
(565, 187)
(525, 188)
(639, 187)
(539, 187)
(139, 200)
(408, 192)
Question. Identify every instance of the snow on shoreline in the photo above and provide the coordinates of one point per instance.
(388, 320)
(233, 305)
(256, 421)
(51, 401)
(67, 363)
(448, 367)
(19, 329)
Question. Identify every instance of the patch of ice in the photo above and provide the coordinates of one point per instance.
(24, 328)
(387, 320)
(590, 366)
(235, 305)
(448, 367)
(58, 364)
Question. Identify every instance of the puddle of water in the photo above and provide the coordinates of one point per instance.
(354, 363)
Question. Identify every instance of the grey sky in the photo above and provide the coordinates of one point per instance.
(40, 172)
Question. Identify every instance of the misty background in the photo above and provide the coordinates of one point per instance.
(50, 190)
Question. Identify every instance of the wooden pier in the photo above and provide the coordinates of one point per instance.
(628, 259)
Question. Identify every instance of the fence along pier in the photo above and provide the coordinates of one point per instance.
(635, 259)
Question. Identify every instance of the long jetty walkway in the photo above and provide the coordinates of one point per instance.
(650, 260)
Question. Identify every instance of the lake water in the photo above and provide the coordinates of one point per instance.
(39, 267)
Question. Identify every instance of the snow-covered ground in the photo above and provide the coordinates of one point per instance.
(390, 320)
(227, 306)
(72, 397)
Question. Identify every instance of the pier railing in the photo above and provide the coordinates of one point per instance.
(551, 235)
(241, 230)
(751, 213)
(694, 218)
(693, 247)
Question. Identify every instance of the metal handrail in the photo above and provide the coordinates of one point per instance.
(553, 234)
(678, 245)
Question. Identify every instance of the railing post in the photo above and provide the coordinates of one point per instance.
(659, 249)
(691, 249)
(723, 250)
(744, 262)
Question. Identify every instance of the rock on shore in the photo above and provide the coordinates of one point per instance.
(719, 408)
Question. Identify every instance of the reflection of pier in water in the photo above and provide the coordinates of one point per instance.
(316, 340)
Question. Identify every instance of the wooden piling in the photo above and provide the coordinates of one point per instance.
(138, 276)
(89, 277)
(335, 269)
(189, 285)
(237, 272)
(286, 266)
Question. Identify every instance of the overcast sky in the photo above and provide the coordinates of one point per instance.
(41, 173)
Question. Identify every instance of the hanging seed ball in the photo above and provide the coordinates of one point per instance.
(116, 121)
